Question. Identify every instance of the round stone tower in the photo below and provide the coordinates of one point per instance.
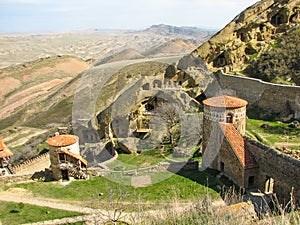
(223, 109)
(56, 143)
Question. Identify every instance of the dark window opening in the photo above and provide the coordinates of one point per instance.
(146, 87)
(278, 20)
(65, 175)
(251, 181)
(149, 107)
(222, 167)
(62, 157)
(229, 118)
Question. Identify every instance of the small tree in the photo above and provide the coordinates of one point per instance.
(167, 114)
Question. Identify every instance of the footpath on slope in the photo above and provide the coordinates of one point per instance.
(91, 216)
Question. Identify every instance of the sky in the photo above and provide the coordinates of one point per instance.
(68, 15)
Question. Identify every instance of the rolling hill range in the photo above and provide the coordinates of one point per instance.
(172, 47)
(94, 45)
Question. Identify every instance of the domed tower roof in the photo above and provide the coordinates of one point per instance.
(225, 101)
(62, 140)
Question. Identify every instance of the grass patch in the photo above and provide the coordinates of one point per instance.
(10, 121)
(276, 132)
(186, 185)
(134, 161)
(60, 113)
(151, 157)
(19, 213)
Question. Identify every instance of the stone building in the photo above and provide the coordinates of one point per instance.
(65, 158)
(5, 155)
(224, 125)
(247, 163)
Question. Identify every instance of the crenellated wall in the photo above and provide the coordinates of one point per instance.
(31, 163)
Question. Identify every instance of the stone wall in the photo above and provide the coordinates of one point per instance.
(284, 169)
(283, 100)
(30, 163)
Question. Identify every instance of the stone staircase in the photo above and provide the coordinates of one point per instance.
(75, 172)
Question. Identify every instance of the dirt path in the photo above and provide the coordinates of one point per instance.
(91, 216)
(285, 144)
(5, 196)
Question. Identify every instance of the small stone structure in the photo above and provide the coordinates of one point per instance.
(5, 155)
(65, 158)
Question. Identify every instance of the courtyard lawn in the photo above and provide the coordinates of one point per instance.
(19, 213)
(186, 186)
(134, 160)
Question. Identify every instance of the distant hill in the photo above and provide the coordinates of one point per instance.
(253, 33)
(176, 46)
(181, 32)
(172, 47)
(126, 54)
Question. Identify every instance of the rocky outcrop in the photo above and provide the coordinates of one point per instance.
(249, 34)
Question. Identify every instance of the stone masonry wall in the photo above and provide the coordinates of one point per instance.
(30, 163)
(271, 98)
(284, 169)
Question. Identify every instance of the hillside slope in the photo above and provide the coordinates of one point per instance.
(249, 35)
(176, 46)
(34, 81)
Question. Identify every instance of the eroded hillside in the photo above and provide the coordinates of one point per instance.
(250, 34)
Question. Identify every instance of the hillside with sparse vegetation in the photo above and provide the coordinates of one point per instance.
(280, 63)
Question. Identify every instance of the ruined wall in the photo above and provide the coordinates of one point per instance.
(283, 169)
(283, 100)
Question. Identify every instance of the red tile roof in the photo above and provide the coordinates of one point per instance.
(225, 102)
(4, 150)
(1, 145)
(62, 140)
(237, 143)
(73, 155)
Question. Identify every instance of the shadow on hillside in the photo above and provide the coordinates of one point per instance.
(209, 178)
(277, 129)
(215, 180)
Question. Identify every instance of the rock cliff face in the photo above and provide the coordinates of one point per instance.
(249, 34)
